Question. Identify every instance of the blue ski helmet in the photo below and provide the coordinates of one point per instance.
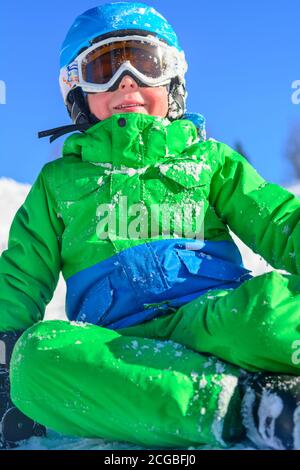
(112, 18)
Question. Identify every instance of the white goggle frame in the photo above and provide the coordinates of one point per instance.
(71, 75)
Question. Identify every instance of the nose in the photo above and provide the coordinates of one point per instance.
(128, 83)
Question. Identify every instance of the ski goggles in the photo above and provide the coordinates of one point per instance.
(98, 68)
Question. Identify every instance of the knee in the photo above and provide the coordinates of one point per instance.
(275, 288)
(33, 342)
(272, 277)
(32, 352)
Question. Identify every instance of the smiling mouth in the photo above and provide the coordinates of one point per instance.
(133, 105)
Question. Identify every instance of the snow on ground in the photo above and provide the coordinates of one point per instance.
(12, 195)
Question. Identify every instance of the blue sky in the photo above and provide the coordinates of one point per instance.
(243, 58)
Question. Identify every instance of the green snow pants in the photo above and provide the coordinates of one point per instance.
(170, 382)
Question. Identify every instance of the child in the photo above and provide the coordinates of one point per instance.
(164, 318)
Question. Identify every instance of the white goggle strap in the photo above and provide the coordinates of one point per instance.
(68, 79)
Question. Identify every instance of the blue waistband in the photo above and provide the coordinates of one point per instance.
(149, 280)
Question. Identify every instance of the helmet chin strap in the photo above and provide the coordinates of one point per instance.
(80, 114)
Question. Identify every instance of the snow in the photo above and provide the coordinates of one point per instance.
(12, 195)
(228, 385)
(296, 434)
(191, 169)
(270, 408)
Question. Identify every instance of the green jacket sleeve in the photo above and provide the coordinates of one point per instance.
(29, 268)
(263, 215)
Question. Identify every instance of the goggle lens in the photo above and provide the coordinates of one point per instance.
(101, 64)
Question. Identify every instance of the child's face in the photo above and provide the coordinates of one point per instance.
(152, 101)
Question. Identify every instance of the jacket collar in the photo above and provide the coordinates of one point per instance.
(132, 140)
